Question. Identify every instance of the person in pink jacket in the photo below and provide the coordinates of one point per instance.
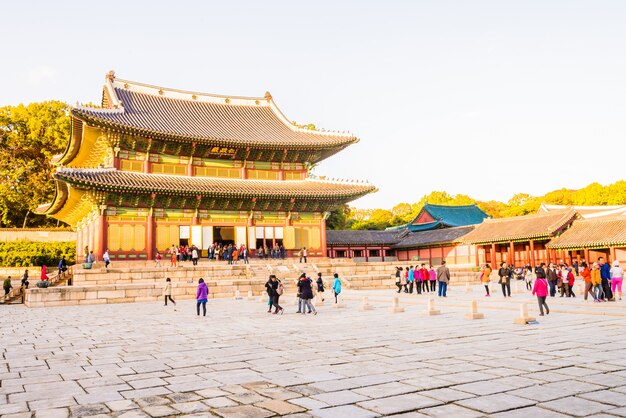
(540, 289)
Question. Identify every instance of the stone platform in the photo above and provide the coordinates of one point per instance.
(148, 360)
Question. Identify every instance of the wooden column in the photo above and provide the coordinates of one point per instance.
(281, 175)
(532, 253)
(430, 255)
(367, 258)
(244, 173)
(116, 163)
(587, 259)
(146, 164)
(189, 170)
(494, 262)
(100, 241)
(512, 250)
(150, 241)
(476, 253)
(323, 236)
(349, 253)
(613, 254)
(382, 253)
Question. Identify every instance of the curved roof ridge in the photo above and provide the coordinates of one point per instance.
(563, 211)
(450, 206)
(112, 83)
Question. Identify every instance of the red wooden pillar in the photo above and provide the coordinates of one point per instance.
(366, 254)
(323, 237)
(116, 162)
(587, 259)
(476, 253)
(281, 175)
(494, 262)
(244, 173)
(150, 241)
(613, 254)
(382, 253)
(532, 253)
(349, 253)
(101, 235)
(430, 255)
(512, 251)
(146, 164)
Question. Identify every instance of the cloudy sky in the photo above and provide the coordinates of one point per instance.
(485, 98)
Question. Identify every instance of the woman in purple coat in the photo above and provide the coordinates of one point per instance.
(202, 295)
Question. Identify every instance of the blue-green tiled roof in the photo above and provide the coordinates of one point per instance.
(447, 217)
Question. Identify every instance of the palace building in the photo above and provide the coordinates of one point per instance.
(154, 167)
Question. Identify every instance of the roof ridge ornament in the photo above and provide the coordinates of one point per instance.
(268, 96)
(110, 76)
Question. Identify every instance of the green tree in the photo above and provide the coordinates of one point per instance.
(338, 217)
(29, 137)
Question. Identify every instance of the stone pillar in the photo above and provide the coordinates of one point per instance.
(150, 241)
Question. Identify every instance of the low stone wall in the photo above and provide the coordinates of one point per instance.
(126, 293)
(36, 235)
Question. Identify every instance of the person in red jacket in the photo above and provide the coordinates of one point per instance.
(540, 289)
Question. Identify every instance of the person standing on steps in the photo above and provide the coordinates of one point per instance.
(167, 292)
(540, 289)
(336, 286)
(106, 258)
(202, 295)
(443, 277)
(505, 279)
(320, 285)
(485, 278)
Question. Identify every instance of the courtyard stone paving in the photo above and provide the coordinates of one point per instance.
(147, 360)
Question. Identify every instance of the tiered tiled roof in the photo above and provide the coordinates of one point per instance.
(107, 179)
(220, 120)
(521, 228)
(434, 237)
(592, 233)
(363, 237)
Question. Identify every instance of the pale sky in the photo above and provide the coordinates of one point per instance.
(484, 98)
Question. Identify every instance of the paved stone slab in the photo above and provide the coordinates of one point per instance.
(345, 411)
(496, 403)
(400, 403)
(451, 410)
(244, 411)
(575, 406)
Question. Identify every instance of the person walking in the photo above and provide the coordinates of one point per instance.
(306, 294)
(528, 277)
(505, 279)
(485, 278)
(565, 281)
(274, 290)
(443, 277)
(25, 281)
(7, 285)
(106, 258)
(320, 285)
(194, 255)
(157, 259)
(411, 279)
(596, 282)
(202, 295)
(617, 277)
(540, 289)
(167, 292)
(584, 272)
(405, 279)
(336, 286)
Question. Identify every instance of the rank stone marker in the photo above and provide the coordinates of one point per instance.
(366, 306)
(431, 308)
(524, 318)
(395, 306)
(474, 314)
